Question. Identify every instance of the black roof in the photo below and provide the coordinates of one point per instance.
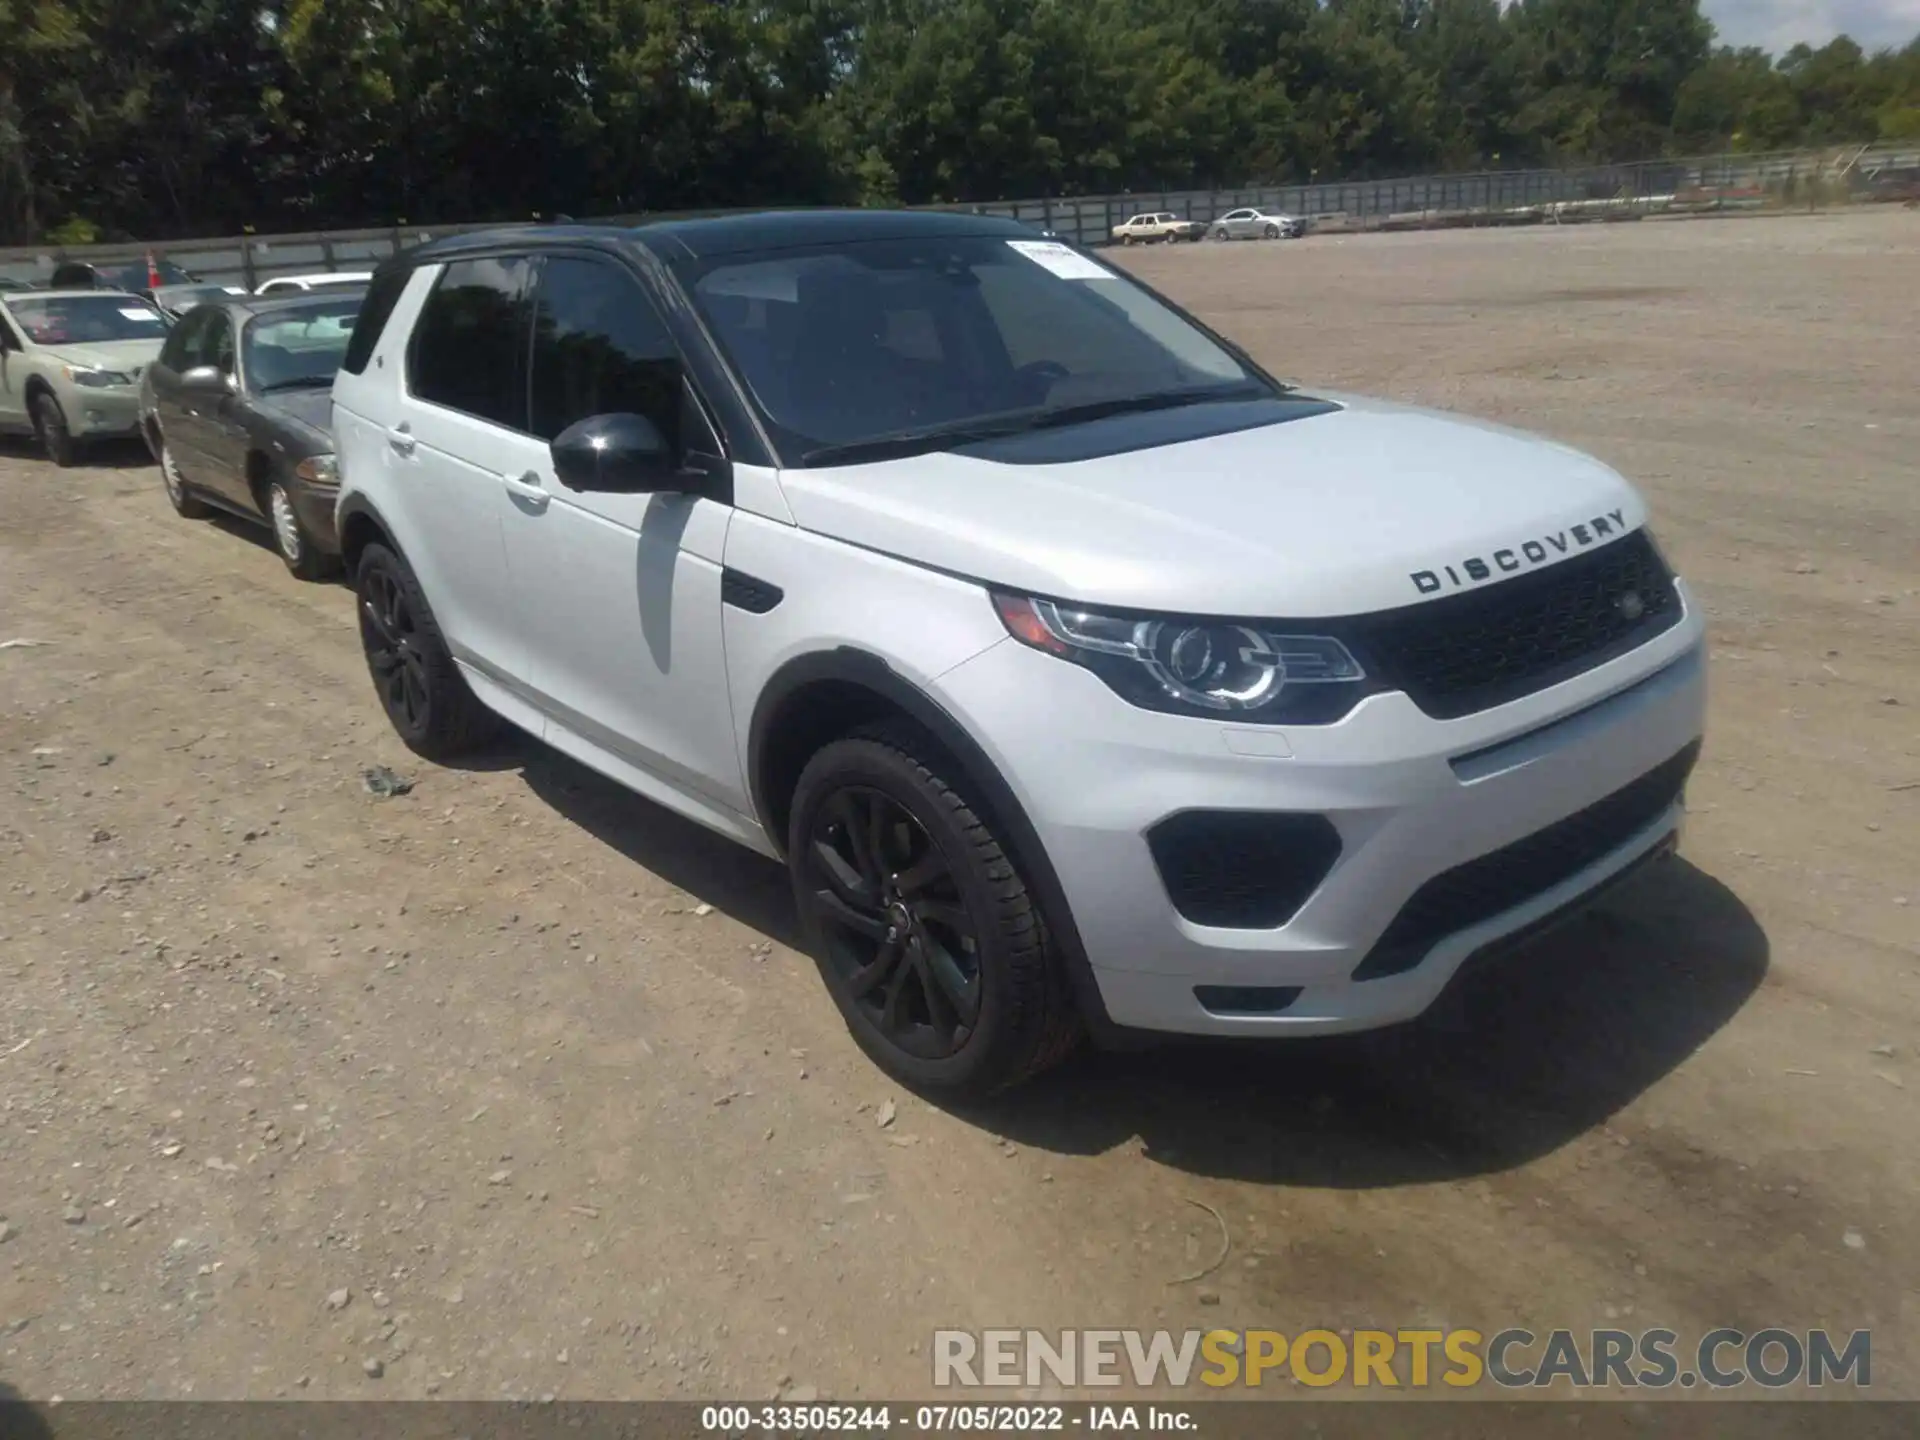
(729, 234)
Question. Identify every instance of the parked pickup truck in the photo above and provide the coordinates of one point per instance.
(1145, 229)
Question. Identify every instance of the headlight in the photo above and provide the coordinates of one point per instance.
(318, 470)
(95, 379)
(1239, 671)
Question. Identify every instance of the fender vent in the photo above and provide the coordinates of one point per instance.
(744, 592)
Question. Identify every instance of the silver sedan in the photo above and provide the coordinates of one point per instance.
(1253, 223)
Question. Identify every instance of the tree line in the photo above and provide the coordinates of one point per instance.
(168, 118)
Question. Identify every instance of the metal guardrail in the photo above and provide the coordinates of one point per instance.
(1485, 197)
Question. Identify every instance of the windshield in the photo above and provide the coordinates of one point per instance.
(87, 319)
(301, 345)
(851, 345)
(185, 297)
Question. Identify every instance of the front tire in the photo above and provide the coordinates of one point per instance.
(1219, 232)
(420, 687)
(1272, 232)
(926, 937)
(297, 547)
(50, 424)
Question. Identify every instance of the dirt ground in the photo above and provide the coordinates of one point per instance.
(527, 1071)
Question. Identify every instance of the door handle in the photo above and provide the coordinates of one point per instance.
(527, 488)
(401, 439)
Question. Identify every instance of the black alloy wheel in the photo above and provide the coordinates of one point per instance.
(421, 688)
(930, 944)
(391, 633)
(897, 929)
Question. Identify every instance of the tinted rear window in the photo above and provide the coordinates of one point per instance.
(381, 297)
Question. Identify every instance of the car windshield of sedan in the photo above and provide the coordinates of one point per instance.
(865, 349)
(298, 346)
(185, 297)
(87, 319)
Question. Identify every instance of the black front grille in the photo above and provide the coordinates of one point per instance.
(1480, 648)
(1242, 869)
(1514, 874)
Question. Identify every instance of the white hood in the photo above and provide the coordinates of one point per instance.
(126, 356)
(1335, 514)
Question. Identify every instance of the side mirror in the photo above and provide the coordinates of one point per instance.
(621, 452)
(207, 380)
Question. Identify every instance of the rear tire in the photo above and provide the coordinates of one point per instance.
(925, 934)
(186, 504)
(50, 425)
(414, 674)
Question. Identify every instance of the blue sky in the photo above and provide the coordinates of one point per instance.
(1777, 24)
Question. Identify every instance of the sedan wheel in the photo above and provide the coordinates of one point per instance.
(186, 504)
(1272, 232)
(50, 424)
(304, 558)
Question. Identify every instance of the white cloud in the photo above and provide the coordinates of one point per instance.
(1778, 25)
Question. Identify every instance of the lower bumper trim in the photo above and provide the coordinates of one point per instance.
(1468, 894)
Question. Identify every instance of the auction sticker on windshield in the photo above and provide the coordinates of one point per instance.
(1058, 259)
(141, 314)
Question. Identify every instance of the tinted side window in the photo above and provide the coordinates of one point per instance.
(469, 347)
(600, 348)
(184, 342)
(382, 295)
(217, 348)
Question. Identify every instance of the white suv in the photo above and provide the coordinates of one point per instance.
(1085, 677)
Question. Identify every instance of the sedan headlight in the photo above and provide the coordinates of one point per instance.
(318, 470)
(1243, 671)
(95, 379)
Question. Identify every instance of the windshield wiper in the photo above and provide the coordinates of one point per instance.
(305, 382)
(920, 441)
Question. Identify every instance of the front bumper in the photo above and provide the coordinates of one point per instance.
(100, 414)
(315, 505)
(1411, 798)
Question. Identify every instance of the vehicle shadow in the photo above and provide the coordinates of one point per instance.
(130, 454)
(20, 1419)
(749, 887)
(1521, 1056)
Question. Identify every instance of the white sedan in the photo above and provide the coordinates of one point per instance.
(1253, 223)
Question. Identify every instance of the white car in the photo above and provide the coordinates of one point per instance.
(1085, 677)
(291, 284)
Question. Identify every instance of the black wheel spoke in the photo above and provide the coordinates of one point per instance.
(874, 927)
(942, 1017)
(890, 1014)
(942, 912)
(854, 828)
(921, 873)
(879, 821)
(955, 987)
(845, 881)
(885, 961)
